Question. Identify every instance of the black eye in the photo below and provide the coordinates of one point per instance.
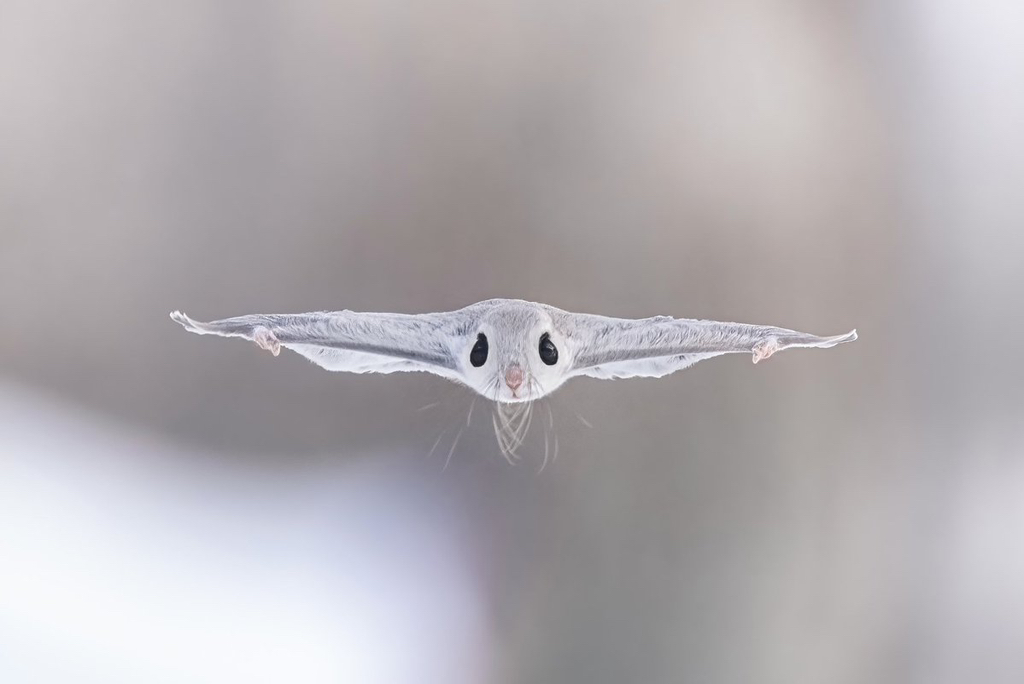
(548, 351)
(478, 356)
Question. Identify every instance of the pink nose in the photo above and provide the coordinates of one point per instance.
(514, 377)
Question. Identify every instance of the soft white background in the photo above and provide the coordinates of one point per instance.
(183, 509)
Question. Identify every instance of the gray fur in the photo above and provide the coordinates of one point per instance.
(440, 343)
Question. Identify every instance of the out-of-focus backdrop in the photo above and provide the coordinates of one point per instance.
(182, 509)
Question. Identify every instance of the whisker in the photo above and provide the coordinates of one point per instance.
(446, 394)
(452, 450)
(507, 414)
(525, 417)
(524, 425)
(506, 432)
(544, 463)
(499, 410)
(496, 415)
(436, 442)
(513, 418)
(512, 421)
(578, 414)
(501, 443)
(551, 422)
(510, 435)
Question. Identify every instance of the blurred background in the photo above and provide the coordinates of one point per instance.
(183, 509)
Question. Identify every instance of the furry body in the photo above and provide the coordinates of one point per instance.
(441, 343)
(507, 350)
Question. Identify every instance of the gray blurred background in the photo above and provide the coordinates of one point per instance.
(183, 509)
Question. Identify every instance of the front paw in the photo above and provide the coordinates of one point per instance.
(266, 340)
(762, 350)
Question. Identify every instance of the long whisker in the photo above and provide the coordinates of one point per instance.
(512, 419)
(551, 422)
(496, 385)
(513, 426)
(452, 450)
(529, 423)
(501, 413)
(537, 390)
(524, 424)
(445, 396)
(495, 415)
(436, 442)
(538, 383)
(506, 431)
(508, 428)
(524, 416)
(544, 463)
(579, 415)
(501, 443)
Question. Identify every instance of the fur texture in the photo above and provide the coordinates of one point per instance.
(514, 333)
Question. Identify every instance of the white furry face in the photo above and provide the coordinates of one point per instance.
(515, 355)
